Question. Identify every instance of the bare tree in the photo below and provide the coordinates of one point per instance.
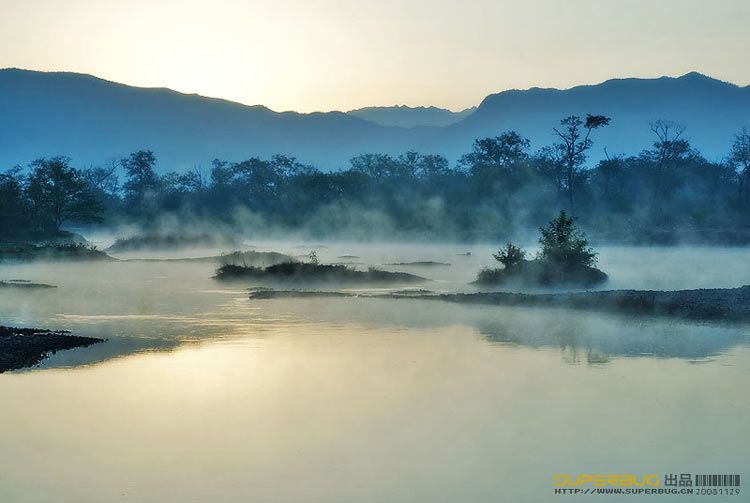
(669, 144)
(669, 148)
(103, 178)
(193, 180)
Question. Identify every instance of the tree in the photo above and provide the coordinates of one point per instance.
(669, 145)
(505, 152)
(288, 166)
(575, 135)
(510, 256)
(606, 176)
(193, 181)
(58, 193)
(669, 151)
(563, 245)
(13, 208)
(496, 167)
(142, 178)
(262, 180)
(103, 180)
(104, 184)
(378, 166)
(432, 165)
(222, 174)
(739, 160)
(413, 164)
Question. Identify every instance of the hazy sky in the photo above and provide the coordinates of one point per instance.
(326, 54)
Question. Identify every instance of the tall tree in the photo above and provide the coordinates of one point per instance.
(14, 217)
(669, 145)
(58, 193)
(505, 152)
(142, 178)
(575, 136)
(103, 179)
(739, 160)
(669, 152)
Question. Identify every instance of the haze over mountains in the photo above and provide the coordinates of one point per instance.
(93, 121)
(405, 116)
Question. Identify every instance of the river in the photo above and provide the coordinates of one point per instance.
(201, 394)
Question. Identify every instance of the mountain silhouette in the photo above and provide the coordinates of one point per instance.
(94, 121)
(712, 112)
(405, 116)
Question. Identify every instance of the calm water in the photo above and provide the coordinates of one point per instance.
(203, 395)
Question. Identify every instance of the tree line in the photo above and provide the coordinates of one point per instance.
(496, 190)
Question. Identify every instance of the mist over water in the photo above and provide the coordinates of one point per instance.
(203, 394)
(151, 304)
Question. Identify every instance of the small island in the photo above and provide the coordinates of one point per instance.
(249, 257)
(564, 259)
(313, 272)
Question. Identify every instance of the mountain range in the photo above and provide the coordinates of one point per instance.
(93, 121)
(405, 116)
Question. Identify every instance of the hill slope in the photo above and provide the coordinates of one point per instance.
(93, 120)
(404, 116)
(711, 110)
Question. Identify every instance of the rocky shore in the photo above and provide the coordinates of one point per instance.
(725, 304)
(730, 304)
(25, 347)
(24, 284)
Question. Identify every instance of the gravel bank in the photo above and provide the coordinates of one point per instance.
(25, 347)
(729, 304)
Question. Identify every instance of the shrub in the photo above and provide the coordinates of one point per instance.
(564, 245)
(510, 256)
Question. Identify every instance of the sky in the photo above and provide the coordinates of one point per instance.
(320, 55)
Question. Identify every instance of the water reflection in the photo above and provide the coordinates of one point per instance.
(596, 339)
(580, 337)
(358, 412)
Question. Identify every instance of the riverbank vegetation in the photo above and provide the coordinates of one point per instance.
(172, 241)
(16, 251)
(499, 190)
(564, 259)
(313, 272)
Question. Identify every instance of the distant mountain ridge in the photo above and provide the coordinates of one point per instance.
(406, 116)
(711, 110)
(94, 120)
